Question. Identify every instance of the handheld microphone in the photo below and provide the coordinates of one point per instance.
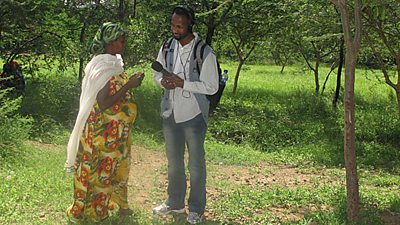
(159, 68)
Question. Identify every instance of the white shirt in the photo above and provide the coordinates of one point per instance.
(184, 103)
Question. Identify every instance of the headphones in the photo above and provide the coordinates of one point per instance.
(188, 12)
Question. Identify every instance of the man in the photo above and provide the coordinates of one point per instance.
(184, 109)
(14, 78)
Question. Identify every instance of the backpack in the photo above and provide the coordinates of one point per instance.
(198, 51)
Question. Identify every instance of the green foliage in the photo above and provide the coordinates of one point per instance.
(274, 119)
(53, 102)
(14, 128)
(274, 112)
(147, 97)
(278, 113)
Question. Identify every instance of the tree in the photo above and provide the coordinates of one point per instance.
(382, 22)
(317, 39)
(32, 34)
(246, 32)
(284, 30)
(339, 73)
(215, 14)
(87, 16)
(352, 41)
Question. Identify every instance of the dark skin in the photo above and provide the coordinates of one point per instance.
(103, 99)
(179, 28)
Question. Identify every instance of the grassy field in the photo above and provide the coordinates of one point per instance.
(274, 152)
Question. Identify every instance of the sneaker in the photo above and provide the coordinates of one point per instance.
(194, 218)
(164, 209)
(125, 212)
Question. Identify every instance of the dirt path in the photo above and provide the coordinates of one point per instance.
(148, 179)
(148, 182)
(146, 176)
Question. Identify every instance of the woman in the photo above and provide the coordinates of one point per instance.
(99, 146)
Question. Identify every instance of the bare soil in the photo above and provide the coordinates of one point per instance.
(148, 182)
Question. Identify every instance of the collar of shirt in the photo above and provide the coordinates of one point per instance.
(184, 53)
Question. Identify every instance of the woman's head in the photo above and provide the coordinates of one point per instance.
(110, 38)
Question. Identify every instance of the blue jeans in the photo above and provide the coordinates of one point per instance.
(192, 133)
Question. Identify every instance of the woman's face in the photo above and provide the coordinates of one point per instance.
(117, 46)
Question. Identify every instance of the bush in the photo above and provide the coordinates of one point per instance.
(55, 97)
(14, 128)
(53, 102)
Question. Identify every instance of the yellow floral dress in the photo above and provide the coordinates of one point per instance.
(103, 159)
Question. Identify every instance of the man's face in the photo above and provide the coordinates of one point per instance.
(179, 26)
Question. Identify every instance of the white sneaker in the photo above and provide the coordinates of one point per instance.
(194, 218)
(164, 209)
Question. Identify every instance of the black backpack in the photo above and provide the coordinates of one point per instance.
(198, 49)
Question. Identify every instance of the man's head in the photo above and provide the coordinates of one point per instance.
(182, 22)
(11, 67)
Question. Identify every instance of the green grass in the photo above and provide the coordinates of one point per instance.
(274, 119)
(35, 190)
(34, 187)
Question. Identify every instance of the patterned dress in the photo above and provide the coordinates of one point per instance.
(103, 159)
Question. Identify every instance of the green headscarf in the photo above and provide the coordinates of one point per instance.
(107, 33)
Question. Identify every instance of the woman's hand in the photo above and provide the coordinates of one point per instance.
(135, 80)
(105, 101)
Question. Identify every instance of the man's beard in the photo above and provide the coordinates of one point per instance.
(182, 36)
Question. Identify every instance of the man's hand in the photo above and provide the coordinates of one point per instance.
(172, 81)
(167, 84)
(177, 80)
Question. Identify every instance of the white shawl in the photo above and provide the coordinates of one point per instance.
(97, 73)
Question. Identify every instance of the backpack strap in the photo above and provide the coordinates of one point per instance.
(168, 47)
(199, 54)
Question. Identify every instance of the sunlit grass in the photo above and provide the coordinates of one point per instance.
(274, 119)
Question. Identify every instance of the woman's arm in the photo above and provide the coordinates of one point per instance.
(105, 101)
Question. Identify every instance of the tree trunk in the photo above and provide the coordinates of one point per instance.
(349, 140)
(398, 99)
(282, 68)
(397, 60)
(81, 40)
(235, 84)
(121, 11)
(210, 29)
(339, 74)
(327, 77)
(316, 79)
(80, 69)
(352, 47)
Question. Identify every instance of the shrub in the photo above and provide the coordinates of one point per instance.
(53, 102)
(14, 128)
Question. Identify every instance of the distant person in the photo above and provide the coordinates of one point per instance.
(184, 109)
(12, 77)
(99, 153)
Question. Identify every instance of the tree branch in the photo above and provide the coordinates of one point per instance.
(380, 60)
